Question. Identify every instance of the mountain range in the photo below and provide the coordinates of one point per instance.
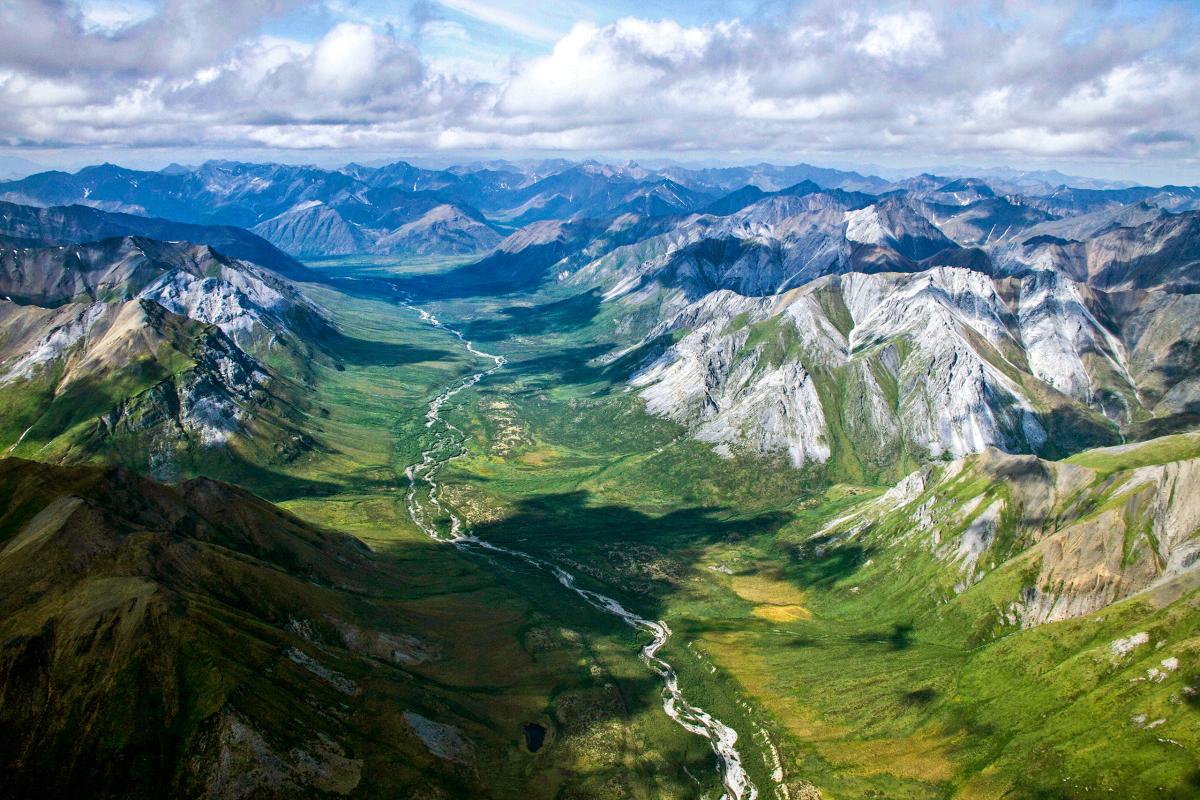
(400, 208)
(939, 430)
(837, 318)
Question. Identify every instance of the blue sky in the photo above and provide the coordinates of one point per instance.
(1089, 86)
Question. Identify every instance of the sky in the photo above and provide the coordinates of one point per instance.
(1094, 87)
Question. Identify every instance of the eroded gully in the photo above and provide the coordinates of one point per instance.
(423, 502)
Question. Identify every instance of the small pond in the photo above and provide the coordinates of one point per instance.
(535, 736)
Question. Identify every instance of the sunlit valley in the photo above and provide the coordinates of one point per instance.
(518, 472)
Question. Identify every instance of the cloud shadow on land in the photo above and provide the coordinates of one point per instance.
(822, 562)
(559, 316)
(557, 527)
(499, 273)
(639, 557)
(365, 353)
(579, 366)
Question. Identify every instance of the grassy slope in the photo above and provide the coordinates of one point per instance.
(1156, 451)
(40, 421)
(868, 689)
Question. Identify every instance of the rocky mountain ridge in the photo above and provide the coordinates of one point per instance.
(249, 303)
(313, 228)
(135, 380)
(1023, 340)
(28, 226)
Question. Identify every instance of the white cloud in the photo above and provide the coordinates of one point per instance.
(345, 60)
(111, 16)
(910, 35)
(446, 30)
(947, 81)
(28, 93)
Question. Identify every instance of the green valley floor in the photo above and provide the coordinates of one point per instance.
(844, 675)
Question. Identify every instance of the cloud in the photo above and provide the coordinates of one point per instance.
(895, 37)
(990, 80)
(345, 60)
(112, 16)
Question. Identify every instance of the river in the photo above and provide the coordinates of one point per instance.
(447, 443)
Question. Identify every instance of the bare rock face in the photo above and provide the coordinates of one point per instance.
(249, 303)
(1145, 540)
(732, 393)
(916, 359)
(207, 403)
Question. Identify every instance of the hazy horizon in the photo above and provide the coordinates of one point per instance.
(334, 160)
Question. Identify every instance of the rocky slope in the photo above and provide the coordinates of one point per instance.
(252, 305)
(164, 356)
(1126, 254)
(135, 383)
(780, 242)
(1056, 540)
(934, 362)
(985, 222)
(943, 335)
(946, 360)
